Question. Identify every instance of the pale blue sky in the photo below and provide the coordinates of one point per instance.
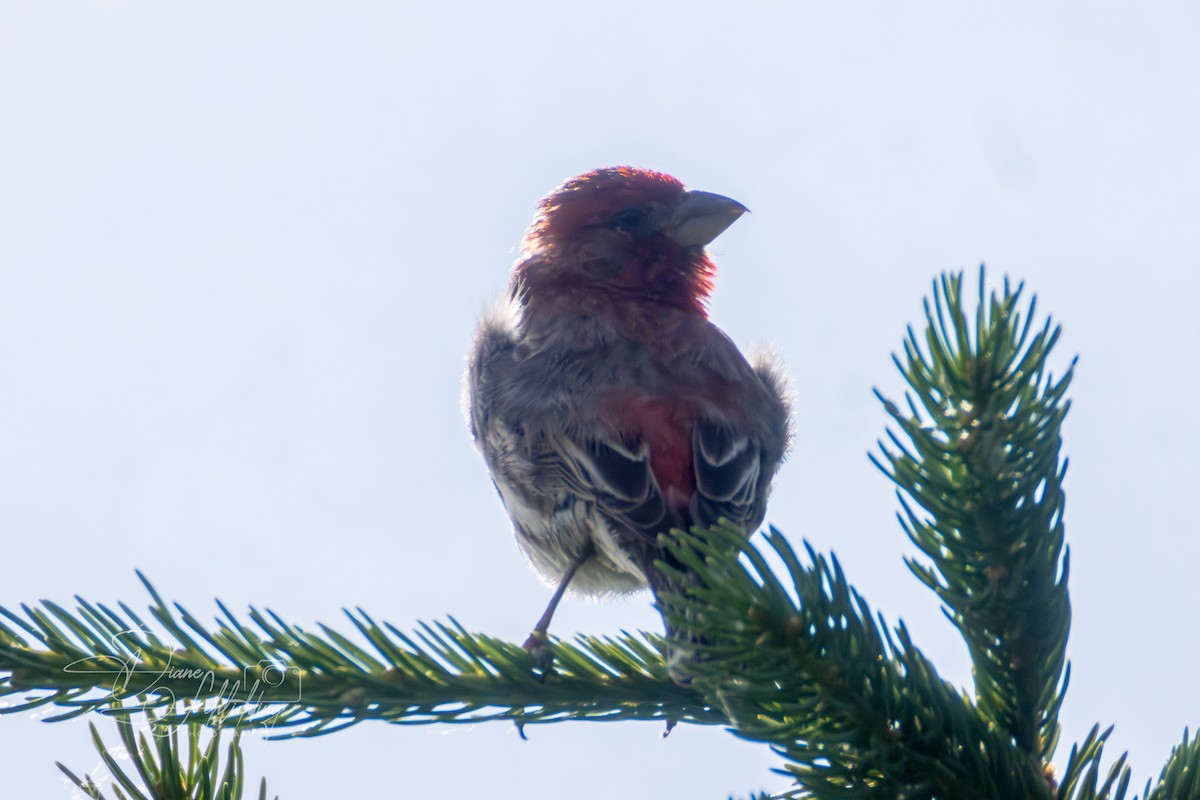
(243, 247)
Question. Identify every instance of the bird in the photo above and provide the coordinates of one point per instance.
(608, 407)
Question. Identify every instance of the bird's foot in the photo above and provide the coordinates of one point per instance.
(679, 666)
(543, 658)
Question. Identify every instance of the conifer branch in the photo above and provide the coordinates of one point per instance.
(980, 457)
(275, 675)
(1081, 779)
(164, 769)
(805, 666)
(1180, 778)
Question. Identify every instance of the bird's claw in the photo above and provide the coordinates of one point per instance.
(543, 658)
(671, 723)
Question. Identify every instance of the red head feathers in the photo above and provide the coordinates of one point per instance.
(627, 231)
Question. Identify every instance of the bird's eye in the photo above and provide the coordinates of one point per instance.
(631, 220)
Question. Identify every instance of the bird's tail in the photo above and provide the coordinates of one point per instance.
(678, 594)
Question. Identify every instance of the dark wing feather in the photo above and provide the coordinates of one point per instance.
(734, 465)
(729, 472)
(618, 479)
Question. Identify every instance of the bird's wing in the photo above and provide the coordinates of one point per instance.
(734, 463)
(615, 475)
(728, 467)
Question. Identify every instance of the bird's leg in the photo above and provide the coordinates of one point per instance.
(538, 636)
(535, 645)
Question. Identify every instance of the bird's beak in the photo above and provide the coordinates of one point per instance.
(702, 217)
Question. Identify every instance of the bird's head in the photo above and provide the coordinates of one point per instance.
(627, 231)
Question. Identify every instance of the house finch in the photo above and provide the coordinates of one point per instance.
(608, 407)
